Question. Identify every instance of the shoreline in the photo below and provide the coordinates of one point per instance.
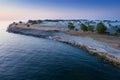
(94, 47)
(112, 40)
(105, 56)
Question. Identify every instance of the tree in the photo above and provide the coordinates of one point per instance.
(101, 28)
(83, 27)
(90, 28)
(71, 26)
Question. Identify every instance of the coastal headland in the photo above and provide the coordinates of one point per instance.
(105, 46)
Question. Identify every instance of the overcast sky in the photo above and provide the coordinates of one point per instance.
(59, 9)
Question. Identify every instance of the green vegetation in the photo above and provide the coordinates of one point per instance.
(16, 23)
(101, 28)
(28, 25)
(20, 22)
(71, 26)
(76, 30)
(118, 30)
(90, 28)
(35, 21)
(49, 20)
(40, 21)
(32, 21)
(83, 27)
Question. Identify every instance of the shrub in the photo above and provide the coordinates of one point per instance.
(20, 22)
(101, 28)
(28, 25)
(39, 21)
(71, 26)
(32, 21)
(83, 27)
(90, 28)
(76, 30)
(50, 20)
(118, 30)
(16, 23)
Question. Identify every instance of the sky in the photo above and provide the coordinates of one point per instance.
(59, 9)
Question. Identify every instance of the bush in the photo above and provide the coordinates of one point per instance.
(32, 21)
(71, 26)
(101, 28)
(118, 30)
(20, 22)
(50, 20)
(16, 23)
(39, 21)
(90, 28)
(76, 30)
(28, 25)
(83, 27)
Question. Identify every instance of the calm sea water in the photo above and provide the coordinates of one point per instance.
(30, 58)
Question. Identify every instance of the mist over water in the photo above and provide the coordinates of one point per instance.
(30, 58)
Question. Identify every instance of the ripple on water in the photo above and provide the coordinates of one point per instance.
(29, 58)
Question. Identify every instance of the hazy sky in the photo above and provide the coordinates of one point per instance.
(59, 9)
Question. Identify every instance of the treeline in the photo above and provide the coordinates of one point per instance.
(49, 20)
(101, 28)
(34, 21)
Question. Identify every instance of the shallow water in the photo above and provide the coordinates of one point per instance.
(30, 58)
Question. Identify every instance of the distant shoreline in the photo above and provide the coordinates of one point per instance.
(94, 47)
